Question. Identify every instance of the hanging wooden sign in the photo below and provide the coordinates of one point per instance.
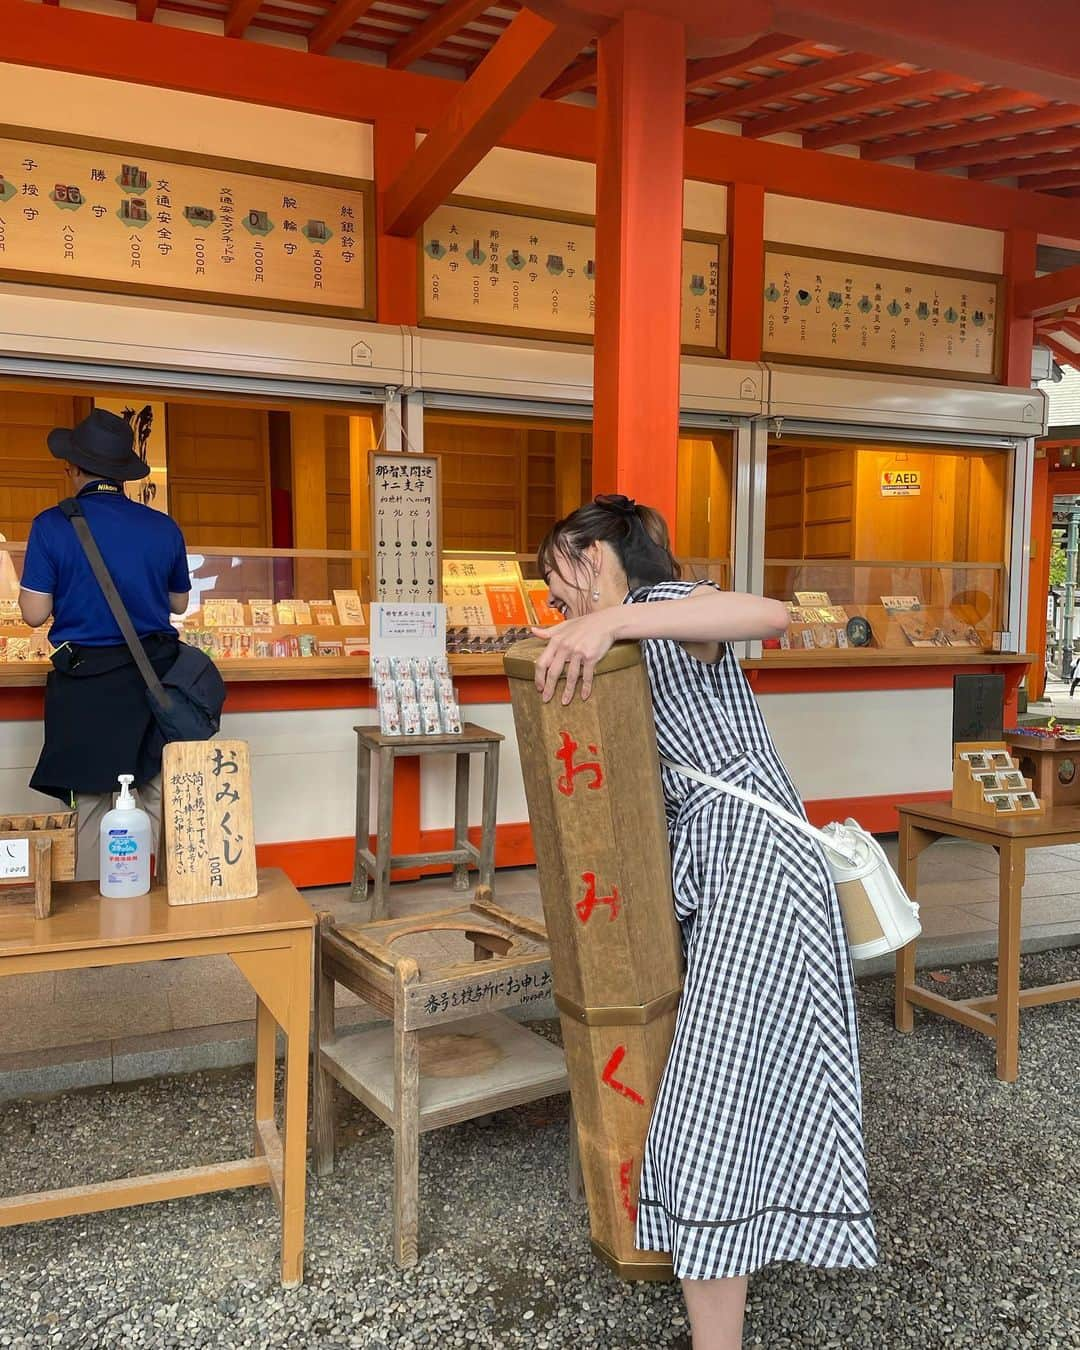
(107, 216)
(406, 537)
(494, 267)
(209, 824)
(842, 309)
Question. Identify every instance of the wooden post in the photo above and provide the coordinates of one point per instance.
(639, 222)
(406, 1121)
(362, 441)
(322, 1094)
(308, 430)
(592, 781)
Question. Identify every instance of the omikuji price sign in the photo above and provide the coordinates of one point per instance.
(209, 826)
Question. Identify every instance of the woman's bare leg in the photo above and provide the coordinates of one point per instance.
(716, 1310)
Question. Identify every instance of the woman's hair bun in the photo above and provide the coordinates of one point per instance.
(618, 503)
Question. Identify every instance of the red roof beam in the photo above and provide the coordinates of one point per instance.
(1045, 182)
(1031, 45)
(435, 29)
(581, 75)
(335, 23)
(145, 9)
(241, 13)
(875, 94)
(970, 133)
(1052, 294)
(991, 152)
(1032, 164)
(1063, 355)
(771, 47)
(511, 77)
(781, 88)
(913, 119)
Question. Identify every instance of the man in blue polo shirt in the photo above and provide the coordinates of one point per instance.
(98, 723)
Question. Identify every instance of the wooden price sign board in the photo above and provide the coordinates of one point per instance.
(843, 309)
(406, 525)
(209, 826)
(101, 215)
(493, 267)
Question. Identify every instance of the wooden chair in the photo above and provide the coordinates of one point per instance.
(449, 1053)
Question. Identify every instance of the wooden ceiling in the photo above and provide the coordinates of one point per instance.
(824, 96)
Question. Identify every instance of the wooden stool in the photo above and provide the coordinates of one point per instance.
(371, 743)
(415, 1075)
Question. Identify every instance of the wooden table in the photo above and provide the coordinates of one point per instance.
(270, 941)
(998, 1016)
(373, 745)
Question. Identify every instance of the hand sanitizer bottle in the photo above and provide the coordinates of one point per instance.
(125, 847)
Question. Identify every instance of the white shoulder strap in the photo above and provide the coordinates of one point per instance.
(834, 842)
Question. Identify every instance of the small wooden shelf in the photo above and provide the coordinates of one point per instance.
(527, 1067)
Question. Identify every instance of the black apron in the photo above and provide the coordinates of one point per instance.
(98, 723)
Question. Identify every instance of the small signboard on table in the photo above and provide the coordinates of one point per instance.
(209, 824)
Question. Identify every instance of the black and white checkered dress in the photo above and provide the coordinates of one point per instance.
(755, 1151)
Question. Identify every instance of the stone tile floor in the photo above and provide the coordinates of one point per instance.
(82, 1028)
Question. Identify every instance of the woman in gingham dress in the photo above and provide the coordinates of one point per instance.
(754, 1152)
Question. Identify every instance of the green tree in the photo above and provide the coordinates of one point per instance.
(1057, 566)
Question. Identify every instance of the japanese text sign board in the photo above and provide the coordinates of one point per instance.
(405, 528)
(209, 824)
(495, 267)
(879, 314)
(405, 630)
(102, 215)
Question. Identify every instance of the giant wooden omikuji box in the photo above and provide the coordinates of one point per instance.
(592, 779)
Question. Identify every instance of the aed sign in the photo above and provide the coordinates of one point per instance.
(901, 482)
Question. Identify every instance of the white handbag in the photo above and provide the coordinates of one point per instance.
(879, 915)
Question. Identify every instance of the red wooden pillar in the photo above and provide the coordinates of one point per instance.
(1020, 247)
(746, 231)
(639, 214)
(395, 259)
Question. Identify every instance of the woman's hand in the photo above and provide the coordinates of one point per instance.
(574, 646)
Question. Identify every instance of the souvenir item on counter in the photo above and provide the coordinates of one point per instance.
(286, 613)
(859, 632)
(244, 642)
(307, 644)
(332, 647)
(430, 720)
(833, 614)
(356, 646)
(425, 687)
(989, 781)
(901, 604)
(389, 719)
(1027, 801)
(262, 613)
(785, 642)
(350, 611)
(1010, 780)
(999, 759)
(262, 648)
(808, 639)
(410, 719)
(18, 649)
(324, 613)
(1002, 802)
(302, 610)
(293, 646)
(10, 612)
(406, 690)
(440, 666)
(842, 638)
(824, 635)
(228, 644)
(3, 649)
(812, 599)
(975, 760)
(401, 667)
(380, 668)
(451, 719)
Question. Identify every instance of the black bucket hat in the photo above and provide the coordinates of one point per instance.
(102, 444)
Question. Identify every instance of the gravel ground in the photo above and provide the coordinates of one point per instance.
(976, 1187)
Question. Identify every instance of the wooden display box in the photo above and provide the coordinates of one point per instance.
(1053, 765)
(50, 848)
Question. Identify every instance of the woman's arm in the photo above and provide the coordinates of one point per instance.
(702, 621)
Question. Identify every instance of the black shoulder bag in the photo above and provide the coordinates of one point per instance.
(187, 702)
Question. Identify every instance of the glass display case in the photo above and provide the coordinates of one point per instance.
(925, 609)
